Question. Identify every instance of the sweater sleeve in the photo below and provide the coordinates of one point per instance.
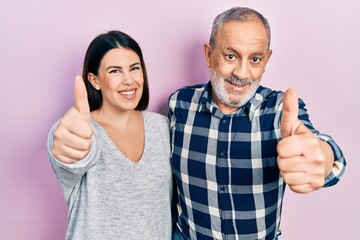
(69, 175)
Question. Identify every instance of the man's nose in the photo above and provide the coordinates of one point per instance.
(242, 70)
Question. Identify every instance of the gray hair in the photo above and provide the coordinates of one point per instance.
(241, 14)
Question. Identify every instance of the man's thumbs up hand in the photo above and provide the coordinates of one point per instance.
(301, 160)
(289, 119)
(72, 137)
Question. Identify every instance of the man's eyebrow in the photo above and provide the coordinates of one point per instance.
(253, 54)
(233, 50)
(258, 54)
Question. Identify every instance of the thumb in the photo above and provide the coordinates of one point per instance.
(289, 118)
(80, 96)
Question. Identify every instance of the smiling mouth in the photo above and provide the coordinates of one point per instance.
(128, 93)
(238, 85)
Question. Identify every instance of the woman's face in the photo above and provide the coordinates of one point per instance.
(120, 79)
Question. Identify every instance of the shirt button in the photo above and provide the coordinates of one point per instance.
(225, 121)
(222, 154)
(222, 188)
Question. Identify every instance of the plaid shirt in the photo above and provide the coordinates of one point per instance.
(229, 185)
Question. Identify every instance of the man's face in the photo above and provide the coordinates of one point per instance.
(237, 63)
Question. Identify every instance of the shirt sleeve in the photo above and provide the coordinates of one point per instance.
(339, 165)
(69, 175)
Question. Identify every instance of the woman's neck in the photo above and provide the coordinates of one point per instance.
(115, 118)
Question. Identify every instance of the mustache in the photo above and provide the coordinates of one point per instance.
(234, 79)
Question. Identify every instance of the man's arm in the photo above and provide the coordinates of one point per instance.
(305, 162)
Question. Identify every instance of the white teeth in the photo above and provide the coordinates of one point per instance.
(128, 93)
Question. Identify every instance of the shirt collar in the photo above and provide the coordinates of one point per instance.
(206, 103)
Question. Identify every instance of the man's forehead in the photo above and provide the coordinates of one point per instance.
(249, 32)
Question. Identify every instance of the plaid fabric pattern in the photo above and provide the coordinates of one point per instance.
(229, 185)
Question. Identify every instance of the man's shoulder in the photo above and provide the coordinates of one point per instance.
(267, 92)
(188, 92)
(269, 97)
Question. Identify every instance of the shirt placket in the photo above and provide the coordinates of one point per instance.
(223, 176)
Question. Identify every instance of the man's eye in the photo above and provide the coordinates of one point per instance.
(230, 57)
(256, 60)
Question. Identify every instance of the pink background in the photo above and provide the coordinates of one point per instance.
(315, 49)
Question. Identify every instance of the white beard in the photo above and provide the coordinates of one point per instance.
(229, 97)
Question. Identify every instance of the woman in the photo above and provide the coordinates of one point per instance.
(111, 157)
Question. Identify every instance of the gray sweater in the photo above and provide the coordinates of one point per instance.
(111, 197)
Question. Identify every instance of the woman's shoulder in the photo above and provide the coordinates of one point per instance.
(154, 116)
(155, 119)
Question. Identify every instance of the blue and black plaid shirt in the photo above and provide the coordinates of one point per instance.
(229, 185)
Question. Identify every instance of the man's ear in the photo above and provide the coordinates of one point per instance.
(207, 52)
(94, 81)
(266, 60)
(268, 56)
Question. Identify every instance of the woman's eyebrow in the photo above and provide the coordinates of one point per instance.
(118, 67)
(114, 66)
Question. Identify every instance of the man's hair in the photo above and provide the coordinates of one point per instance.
(241, 14)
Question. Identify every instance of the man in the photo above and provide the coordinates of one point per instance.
(236, 144)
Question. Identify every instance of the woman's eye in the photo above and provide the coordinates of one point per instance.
(115, 71)
(135, 68)
(230, 57)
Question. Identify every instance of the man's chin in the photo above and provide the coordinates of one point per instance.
(239, 102)
(236, 104)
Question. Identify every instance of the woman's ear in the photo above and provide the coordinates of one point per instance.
(94, 81)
